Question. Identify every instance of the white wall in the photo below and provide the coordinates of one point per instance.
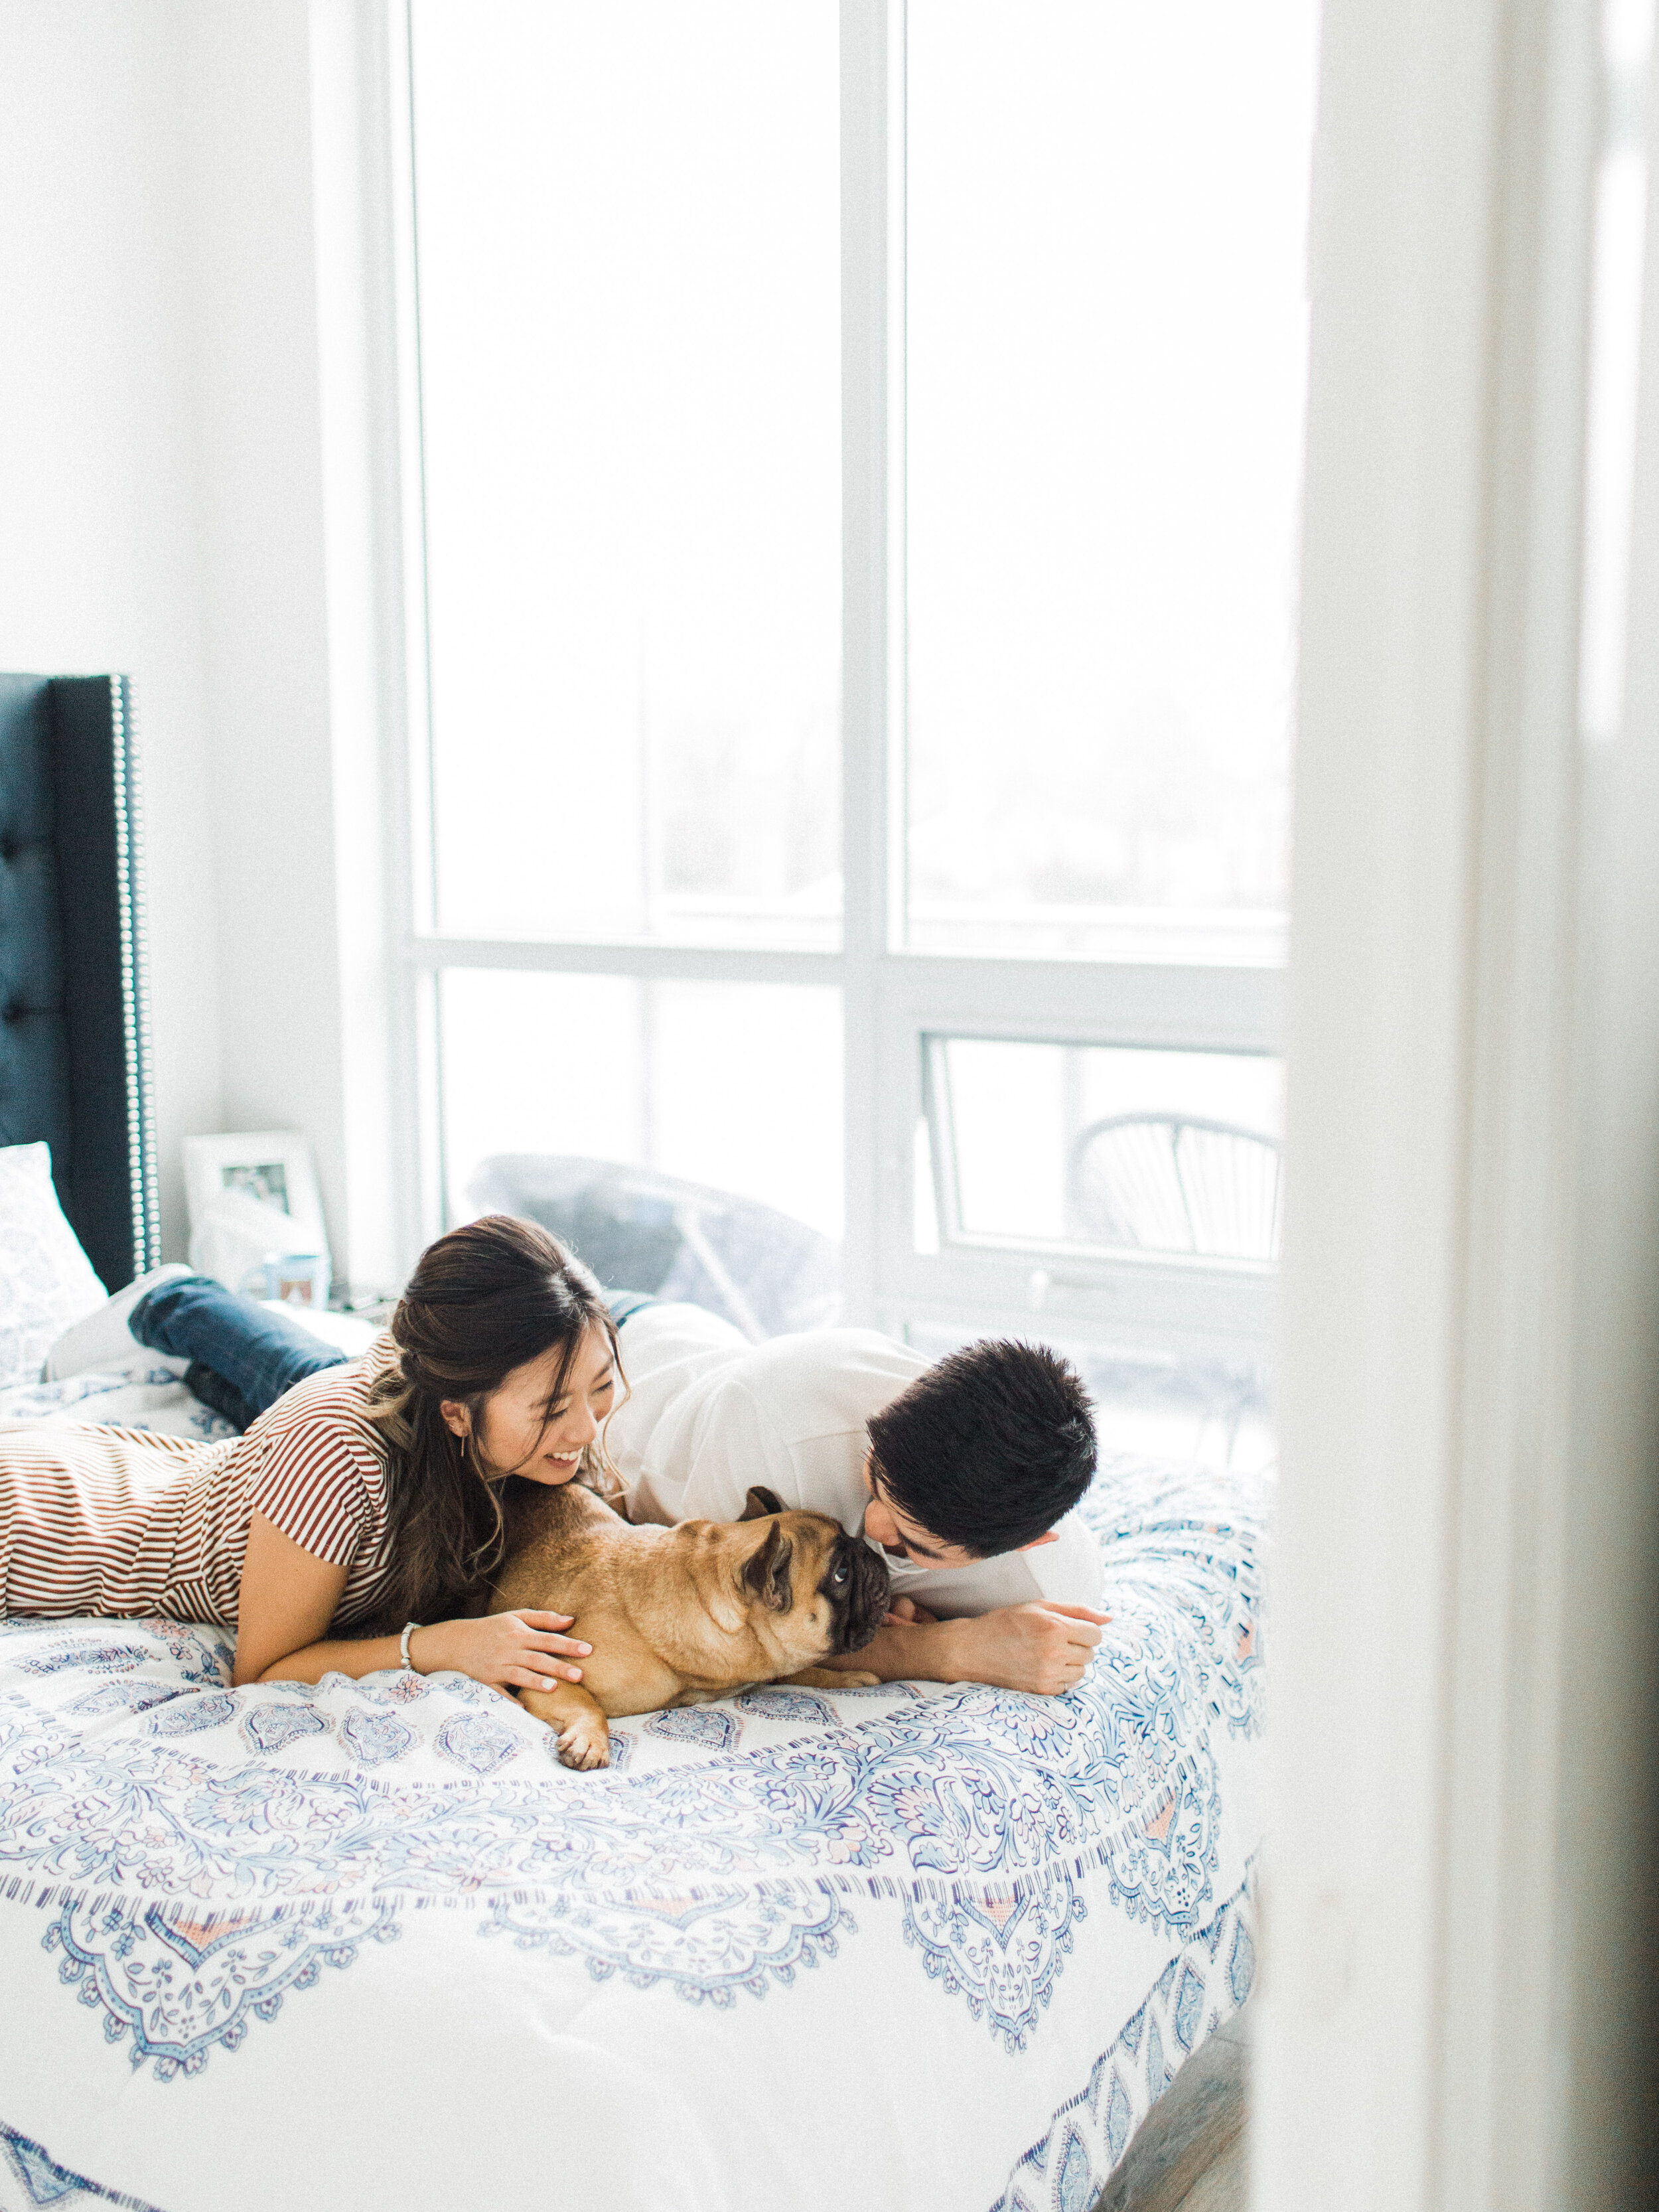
(265, 619)
(101, 560)
(171, 511)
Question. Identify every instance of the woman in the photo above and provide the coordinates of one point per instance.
(377, 1491)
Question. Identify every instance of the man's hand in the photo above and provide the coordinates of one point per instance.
(1042, 1647)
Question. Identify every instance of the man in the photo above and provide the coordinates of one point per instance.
(963, 1474)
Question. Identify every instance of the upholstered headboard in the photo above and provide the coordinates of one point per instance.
(74, 1010)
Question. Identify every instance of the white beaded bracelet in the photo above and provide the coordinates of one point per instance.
(404, 1659)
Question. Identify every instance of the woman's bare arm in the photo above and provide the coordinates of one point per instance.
(287, 1599)
(286, 1603)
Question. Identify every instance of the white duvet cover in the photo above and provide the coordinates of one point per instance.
(368, 1946)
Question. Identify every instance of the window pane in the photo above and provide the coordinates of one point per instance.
(1173, 1406)
(629, 276)
(1109, 1147)
(1104, 368)
(552, 1082)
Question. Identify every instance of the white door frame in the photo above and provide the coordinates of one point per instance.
(1463, 1726)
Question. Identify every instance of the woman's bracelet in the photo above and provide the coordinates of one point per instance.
(404, 1659)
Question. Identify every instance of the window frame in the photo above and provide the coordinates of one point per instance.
(892, 999)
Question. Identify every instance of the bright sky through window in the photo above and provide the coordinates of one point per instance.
(628, 247)
(1105, 334)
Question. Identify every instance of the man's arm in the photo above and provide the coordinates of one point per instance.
(1041, 1647)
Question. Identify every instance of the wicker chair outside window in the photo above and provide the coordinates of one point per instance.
(1169, 1183)
(1172, 1182)
(638, 1230)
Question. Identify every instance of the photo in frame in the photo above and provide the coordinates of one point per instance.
(256, 1213)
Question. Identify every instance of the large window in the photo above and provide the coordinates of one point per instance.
(858, 466)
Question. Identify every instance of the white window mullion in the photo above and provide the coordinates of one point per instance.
(1145, 1302)
(651, 962)
(867, 106)
(1204, 1009)
(417, 1104)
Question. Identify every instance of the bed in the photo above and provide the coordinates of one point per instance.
(367, 1945)
(370, 1945)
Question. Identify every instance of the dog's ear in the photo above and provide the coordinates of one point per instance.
(768, 1572)
(759, 1502)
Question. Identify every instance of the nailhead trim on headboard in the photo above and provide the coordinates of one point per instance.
(135, 980)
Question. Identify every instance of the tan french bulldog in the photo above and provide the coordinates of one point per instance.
(680, 1616)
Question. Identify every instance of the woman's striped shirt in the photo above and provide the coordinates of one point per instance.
(121, 1522)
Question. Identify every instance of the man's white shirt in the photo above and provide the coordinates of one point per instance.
(709, 1414)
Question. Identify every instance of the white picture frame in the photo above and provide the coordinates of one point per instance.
(274, 1166)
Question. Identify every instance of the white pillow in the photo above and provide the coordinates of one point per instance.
(46, 1281)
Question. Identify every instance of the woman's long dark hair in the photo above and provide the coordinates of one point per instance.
(486, 1298)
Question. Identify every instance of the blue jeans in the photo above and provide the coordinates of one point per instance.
(242, 1356)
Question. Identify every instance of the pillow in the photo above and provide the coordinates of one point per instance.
(46, 1281)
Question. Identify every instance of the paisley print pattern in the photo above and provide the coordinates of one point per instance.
(127, 1966)
(478, 1744)
(1002, 1952)
(272, 1728)
(969, 1784)
(122, 1698)
(704, 1946)
(33, 2170)
(1196, 1992)
(703, 1724)
(787, 1704)
(373, 1738)
(100, 1658)
(189, 1715)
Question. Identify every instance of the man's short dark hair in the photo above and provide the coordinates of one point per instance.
(988, 1448)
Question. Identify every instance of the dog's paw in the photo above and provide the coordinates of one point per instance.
(832, 1678)
(585, 1743)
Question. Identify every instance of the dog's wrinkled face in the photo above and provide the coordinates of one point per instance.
(828, 1590)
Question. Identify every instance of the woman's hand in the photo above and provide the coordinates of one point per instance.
(521, 1651)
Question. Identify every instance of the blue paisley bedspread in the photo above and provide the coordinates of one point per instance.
(368, 1945)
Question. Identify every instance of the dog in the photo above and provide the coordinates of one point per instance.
(680, 1616)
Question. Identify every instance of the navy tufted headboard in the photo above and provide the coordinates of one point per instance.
(74, 1010)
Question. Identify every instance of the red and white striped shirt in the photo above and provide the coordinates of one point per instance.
(120, 1521)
